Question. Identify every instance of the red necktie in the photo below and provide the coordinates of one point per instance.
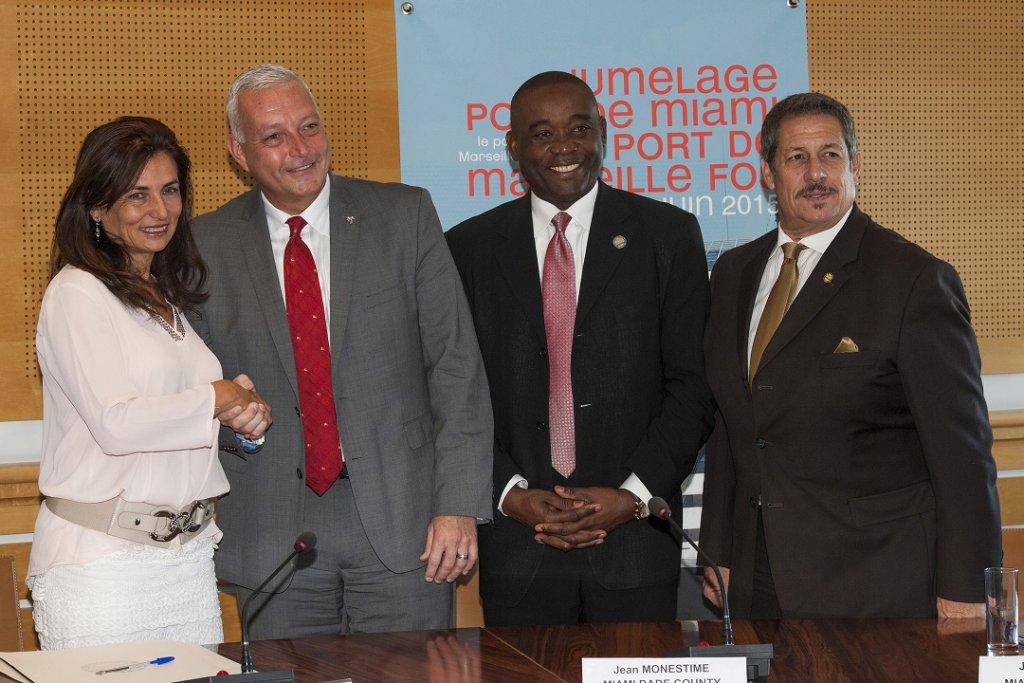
(312, 353)
(559, 288)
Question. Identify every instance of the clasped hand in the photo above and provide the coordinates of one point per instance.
(569, 518)
(239, 407)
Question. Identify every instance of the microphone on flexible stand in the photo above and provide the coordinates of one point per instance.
(303, 544)
(758, 656)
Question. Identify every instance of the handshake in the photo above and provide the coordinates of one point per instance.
(238, 406)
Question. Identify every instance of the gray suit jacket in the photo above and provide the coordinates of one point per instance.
(409, 385)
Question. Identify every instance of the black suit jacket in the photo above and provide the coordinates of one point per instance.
(874, 468)
(643, 405)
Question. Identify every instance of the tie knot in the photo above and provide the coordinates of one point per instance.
(561, 221)
(296, 223)
(790, 249)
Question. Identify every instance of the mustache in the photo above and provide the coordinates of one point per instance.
(817, 188)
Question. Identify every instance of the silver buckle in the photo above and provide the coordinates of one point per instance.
(194, 525)
(173, 526)
(181, 522)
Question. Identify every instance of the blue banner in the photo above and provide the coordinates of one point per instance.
(682, 85)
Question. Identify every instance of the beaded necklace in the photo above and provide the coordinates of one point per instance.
(178, 331)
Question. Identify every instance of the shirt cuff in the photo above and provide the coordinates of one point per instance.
(636, 487)
(516, 480)
(250, 446)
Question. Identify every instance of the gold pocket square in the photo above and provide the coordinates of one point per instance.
(847, 345)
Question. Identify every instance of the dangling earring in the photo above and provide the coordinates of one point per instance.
(97, 225)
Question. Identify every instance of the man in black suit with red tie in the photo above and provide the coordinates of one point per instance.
(589, 305)
(850, 471)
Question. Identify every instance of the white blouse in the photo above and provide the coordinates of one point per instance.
(127, 411)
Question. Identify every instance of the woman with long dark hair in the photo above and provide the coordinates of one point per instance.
(132, 405)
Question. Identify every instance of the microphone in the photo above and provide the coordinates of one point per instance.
(758, 656)
(303, 544)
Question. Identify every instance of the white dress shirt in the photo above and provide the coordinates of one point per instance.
(316, 235)
(806, 261)
(578, 234)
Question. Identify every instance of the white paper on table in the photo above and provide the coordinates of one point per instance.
(632, 669)
(79, 665)
(1000, 669)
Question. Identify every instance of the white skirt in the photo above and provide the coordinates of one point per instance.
(140, 594)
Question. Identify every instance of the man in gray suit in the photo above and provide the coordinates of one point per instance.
(412, 475)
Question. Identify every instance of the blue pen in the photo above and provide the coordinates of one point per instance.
(129, 667)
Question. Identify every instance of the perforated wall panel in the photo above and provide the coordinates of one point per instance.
(935, 86)
(78, 64)
(937, 92)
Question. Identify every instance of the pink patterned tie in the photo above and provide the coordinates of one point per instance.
(559, 287)
(312, 352)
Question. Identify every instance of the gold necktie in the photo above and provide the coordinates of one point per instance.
(778, 303)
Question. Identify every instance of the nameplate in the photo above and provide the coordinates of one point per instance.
(664, 670)
(1001, 669)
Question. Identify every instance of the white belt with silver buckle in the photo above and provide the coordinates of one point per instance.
(153, 525)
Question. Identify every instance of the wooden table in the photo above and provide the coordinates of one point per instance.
(853, 651)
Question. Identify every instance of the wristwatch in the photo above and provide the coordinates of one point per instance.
(640, 511)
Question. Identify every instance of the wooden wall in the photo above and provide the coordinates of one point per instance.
(934, 85)
(936, 90)
(68, 65)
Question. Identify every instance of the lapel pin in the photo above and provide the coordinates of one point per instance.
(827, 278)
(619, 242)
(350, 219)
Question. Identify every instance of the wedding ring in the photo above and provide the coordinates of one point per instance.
(460, 556)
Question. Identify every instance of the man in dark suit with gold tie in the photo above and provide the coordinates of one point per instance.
(589, 304)
(850, 471)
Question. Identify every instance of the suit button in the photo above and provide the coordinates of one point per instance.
(543, 353)
(542, 426)
(298, 473)
(755, 501)
(761, 443)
